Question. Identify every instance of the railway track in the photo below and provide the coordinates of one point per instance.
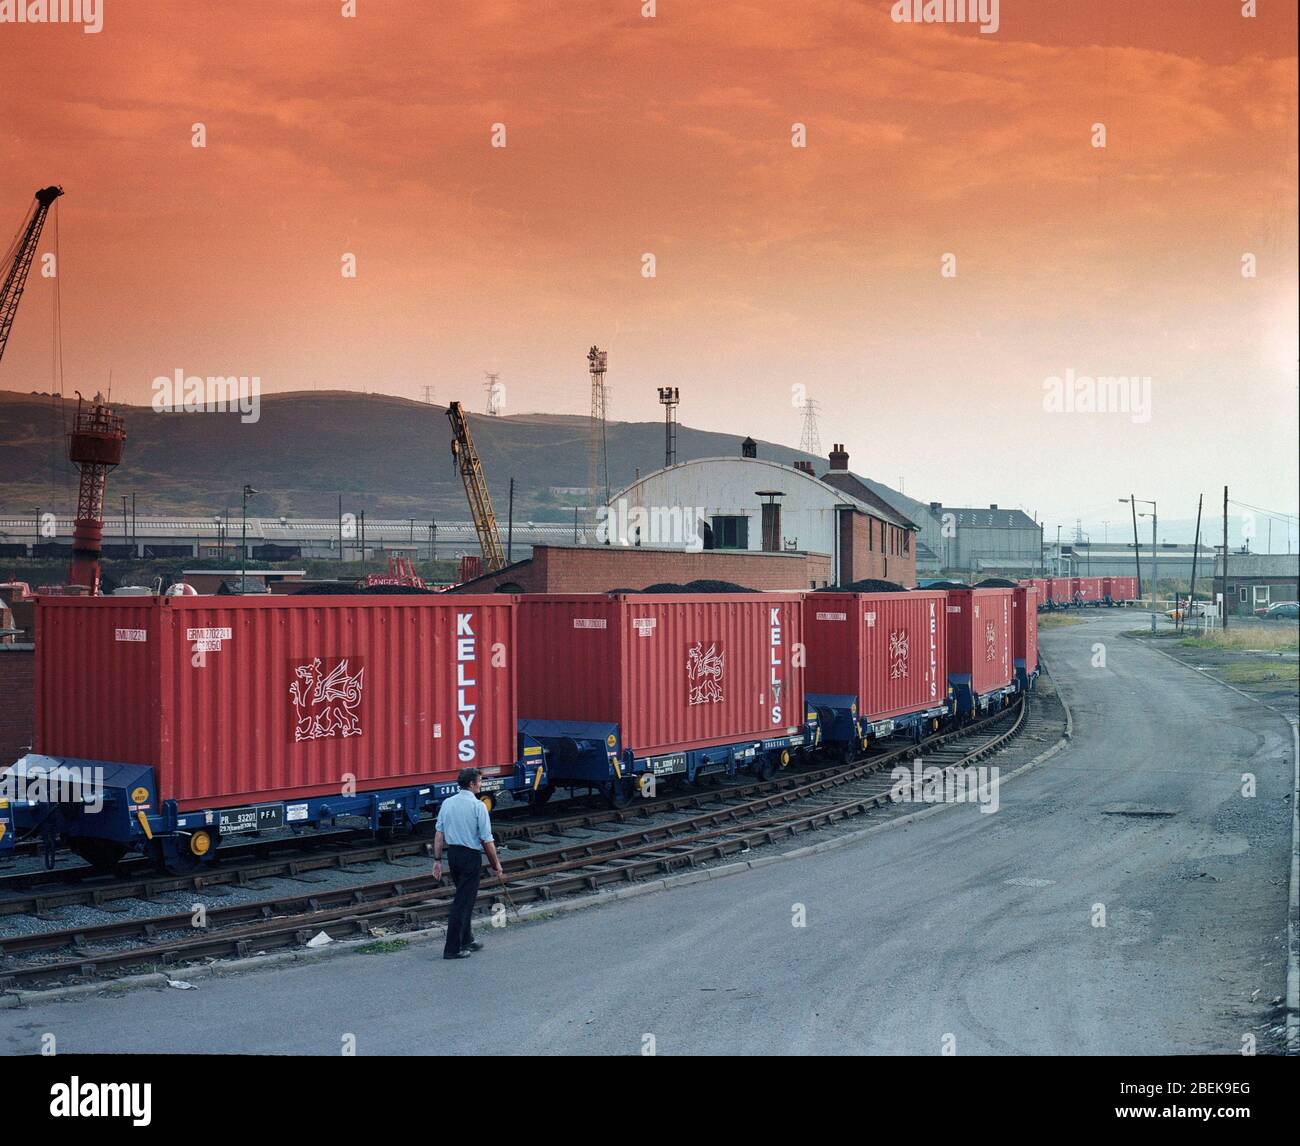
(546, 860)
(38, 892)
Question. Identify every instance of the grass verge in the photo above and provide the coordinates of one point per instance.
(1283, 639)
(1058, 620)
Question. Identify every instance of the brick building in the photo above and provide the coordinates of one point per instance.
(599, 568)
(18, 688)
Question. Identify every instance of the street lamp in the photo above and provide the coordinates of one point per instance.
(249, 491)
(1155, 554)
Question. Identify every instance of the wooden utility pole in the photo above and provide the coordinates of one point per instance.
(1224, 590)
(1196, 549)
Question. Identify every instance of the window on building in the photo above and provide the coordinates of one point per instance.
(1243, 594)
(730, 533)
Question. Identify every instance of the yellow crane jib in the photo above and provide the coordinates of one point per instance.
(476, 490)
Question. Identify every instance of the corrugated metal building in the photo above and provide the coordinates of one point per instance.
(755, 504)
(983, 539)
(1113, 559)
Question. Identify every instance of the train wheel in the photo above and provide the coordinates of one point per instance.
(764, 767)
(103, 854)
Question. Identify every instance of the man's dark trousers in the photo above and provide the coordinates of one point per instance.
(466, 866)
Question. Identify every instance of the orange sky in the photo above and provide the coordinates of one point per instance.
(671, 135)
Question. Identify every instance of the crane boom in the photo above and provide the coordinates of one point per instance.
(24, 250)
(476, 490)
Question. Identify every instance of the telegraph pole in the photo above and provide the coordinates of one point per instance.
(1225, 557)
(1196, 549)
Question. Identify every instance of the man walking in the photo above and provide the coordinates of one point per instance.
(466, 829)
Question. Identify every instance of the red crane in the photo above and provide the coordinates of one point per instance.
(19, 260)
(95, 447)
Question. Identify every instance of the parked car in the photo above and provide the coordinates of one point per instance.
(1281, 611)
(1199, 609)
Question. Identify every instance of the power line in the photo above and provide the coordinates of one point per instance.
(1276, 514)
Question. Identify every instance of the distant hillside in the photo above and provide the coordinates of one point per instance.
(388, 456)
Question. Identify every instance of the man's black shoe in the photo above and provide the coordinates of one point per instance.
(476, 946)
(459, 955)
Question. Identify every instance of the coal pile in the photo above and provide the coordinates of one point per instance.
(865, 585)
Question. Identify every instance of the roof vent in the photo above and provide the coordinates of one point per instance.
(749, 448)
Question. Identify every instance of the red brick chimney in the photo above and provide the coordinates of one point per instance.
(839, 457)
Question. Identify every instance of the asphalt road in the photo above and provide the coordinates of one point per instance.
(976, 926)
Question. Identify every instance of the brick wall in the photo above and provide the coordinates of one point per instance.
(596, 569)
(873, 548)
(17, 710)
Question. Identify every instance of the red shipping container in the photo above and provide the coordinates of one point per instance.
(675, 672)
(1119, 588)
(1059, 590)
(1086, 589)
(890, 650)
(979, 637)
(239, 700)
(1024, 630)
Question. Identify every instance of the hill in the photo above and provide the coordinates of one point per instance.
(386, 455)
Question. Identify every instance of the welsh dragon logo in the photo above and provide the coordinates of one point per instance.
(326, 704)
(705, 671)
(898, 649)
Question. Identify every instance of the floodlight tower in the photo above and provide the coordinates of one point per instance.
(598, 459)
(669, 396)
